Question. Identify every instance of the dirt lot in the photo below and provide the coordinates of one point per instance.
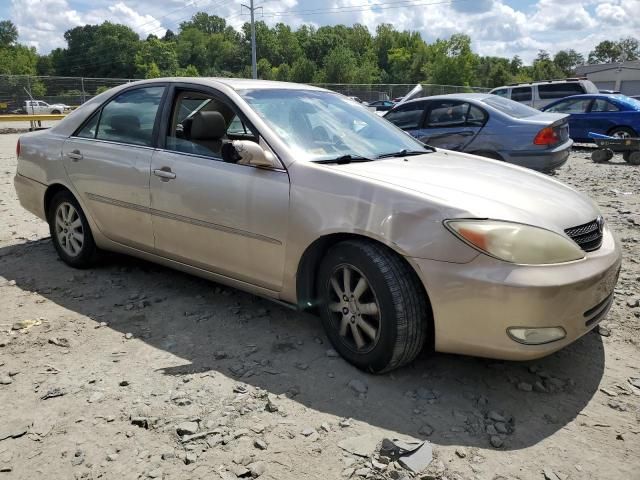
(116, 362)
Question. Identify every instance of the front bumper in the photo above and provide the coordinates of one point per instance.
(475, 303)
(540, 160)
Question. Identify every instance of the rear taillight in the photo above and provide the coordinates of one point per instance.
(547, 136)
(18, 149)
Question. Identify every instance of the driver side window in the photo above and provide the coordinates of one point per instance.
(201, 124)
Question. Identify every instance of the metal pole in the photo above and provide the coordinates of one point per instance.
(254, 63)
(84, 99)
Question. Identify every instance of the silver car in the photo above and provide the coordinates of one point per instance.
(300, 195)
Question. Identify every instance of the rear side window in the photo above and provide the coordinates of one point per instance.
(574, 105)
(408, 116)
(130, 117)
(521, 94)
(502, 92)
(559, 90)
(445, 114)
(602, 105)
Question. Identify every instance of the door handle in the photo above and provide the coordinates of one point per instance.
(164, 173)
(75, 155)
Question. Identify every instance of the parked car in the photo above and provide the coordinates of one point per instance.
(382, 105)
(487, 125)
(298, 194)
(539, 94)
(38, 107)
(614, 115)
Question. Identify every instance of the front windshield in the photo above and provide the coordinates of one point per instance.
(319, 125)
(510, 107)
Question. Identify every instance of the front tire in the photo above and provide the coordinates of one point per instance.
(373, 307)
(70, 231)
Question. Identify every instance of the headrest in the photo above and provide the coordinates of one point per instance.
(124, 122)
(208, 126)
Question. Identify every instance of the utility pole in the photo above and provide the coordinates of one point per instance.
(254, 63)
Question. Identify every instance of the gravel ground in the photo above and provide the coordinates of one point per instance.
(118, 366)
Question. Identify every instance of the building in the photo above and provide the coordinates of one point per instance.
(622, 76)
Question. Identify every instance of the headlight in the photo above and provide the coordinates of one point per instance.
(515, 242)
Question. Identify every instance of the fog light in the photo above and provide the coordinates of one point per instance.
(536, 336)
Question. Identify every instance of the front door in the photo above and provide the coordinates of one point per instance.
(108, 161)
(227, 218)
(450, 124)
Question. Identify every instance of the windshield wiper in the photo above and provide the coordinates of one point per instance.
(406, 153)
(344, 159)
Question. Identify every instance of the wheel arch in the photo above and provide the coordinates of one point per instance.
(51, 192)
(306, 274)
(616, 127)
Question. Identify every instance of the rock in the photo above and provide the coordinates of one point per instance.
(124, 383)
(539, 387)
(95, 397)
(190, 457)
(496, 417)
(362, 472)
(496, 441)
(240, 388)
(220, 355)
(604, 331)
(60, 342)
(260, 444)
(461, 452)
(156, 473)
(345, 423)
(302, 365)
(168, 455)
(491, 430)
(257, 469)
(241, 432)
(331, 353)
(358, 386)
(239, 471)
(270, 406)
(112, 457)
(501, 427)
(362, 445)
(128, 336)
(5, 380)
(25, 324)
(307, 432)
(525, 387)
(187, 428)
(633, 302)
(142, 422)
(426, 430)
(348, 472)
(326, 427)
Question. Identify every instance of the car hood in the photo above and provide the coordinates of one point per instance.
(467, 186)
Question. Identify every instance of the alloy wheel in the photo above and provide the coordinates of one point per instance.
(354, 308)
(69, 230)
(621, 134)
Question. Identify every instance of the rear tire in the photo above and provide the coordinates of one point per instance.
(70, 231)
(56, 112)
(376, 315)
(623, 132)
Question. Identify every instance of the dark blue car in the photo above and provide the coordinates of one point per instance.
(615, 115)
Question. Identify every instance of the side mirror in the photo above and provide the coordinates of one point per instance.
(246, 152)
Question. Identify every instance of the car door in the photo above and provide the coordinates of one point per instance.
(603, 116)
(450, 124)
(108, 161)
(227, 218)
(579, 117)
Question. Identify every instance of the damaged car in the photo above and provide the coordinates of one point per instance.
(297, 194)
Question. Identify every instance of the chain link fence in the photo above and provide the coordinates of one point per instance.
(15, 90)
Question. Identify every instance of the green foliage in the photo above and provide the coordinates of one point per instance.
(207, 45)
(8, 33)
(102, 89)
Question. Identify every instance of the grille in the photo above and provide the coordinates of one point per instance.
(587, 236)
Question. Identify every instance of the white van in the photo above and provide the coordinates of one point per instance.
(540, 94)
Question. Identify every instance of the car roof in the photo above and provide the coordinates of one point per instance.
(234, 83)
(451, 96)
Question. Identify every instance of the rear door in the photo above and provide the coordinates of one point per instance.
(108, 160)
(603, 116)
(451, 124)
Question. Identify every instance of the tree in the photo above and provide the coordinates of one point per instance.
(303, 70)
(605, 52)
(156, 55)
(568, 60)
(205, 23)
(8, 33)
(338, 65)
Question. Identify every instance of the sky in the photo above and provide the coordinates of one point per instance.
(496, 27)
